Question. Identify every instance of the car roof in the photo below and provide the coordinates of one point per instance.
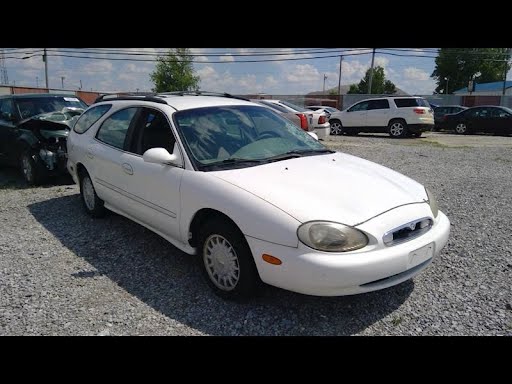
(189, 102)
(182, 101)
(32, 95)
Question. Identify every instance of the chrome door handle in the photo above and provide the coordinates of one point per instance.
(127, 168)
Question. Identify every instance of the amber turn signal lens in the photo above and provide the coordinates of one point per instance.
(271, 259)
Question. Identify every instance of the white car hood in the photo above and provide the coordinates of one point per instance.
(335, 187)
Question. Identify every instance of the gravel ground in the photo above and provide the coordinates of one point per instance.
(63, 273)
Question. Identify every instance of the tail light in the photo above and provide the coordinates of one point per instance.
(303, 121)
(419, 111)
(322, 119)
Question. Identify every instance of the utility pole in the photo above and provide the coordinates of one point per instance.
(62, 81)
(4, 79)
(45, 59)
(505, 72)
(80, 84)
(339, 84)
(325, 77)
(371, 73)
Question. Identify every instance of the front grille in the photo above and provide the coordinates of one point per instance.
(407, 231)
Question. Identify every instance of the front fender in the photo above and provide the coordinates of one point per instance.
(254, 216)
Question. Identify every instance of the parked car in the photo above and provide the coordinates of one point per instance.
(398, 116)
(33, 132)
(323, 109)
(237, 184)
(486, 119)
(441, 111)
(300, 119)
(319, 120)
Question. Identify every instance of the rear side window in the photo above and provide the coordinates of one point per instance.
(114, 129)
(411, 102)
(89, 117)
(379, 104)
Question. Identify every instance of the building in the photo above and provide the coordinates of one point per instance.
(487, 89)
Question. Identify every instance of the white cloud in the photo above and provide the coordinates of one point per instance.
(201, 58)
(303, 73)
(227, 58)
(412, 73)
(99, 66)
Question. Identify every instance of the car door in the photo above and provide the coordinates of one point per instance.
(378, 113)
(356, 115)
(8, 132)
(153, 189)
(105, 158)
(499, 119)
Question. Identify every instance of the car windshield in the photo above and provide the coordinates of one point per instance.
(241, 136)
(33, 106)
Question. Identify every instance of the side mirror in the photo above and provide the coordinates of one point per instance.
(8, 116)
(162, 156)
(313, 135)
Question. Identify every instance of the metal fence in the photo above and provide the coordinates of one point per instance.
(345, 101)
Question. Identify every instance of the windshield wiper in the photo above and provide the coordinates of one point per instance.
(232, 160)
(297, 153)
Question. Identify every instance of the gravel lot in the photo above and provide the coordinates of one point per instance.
(63, 273)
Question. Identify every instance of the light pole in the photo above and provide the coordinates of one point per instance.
(446, 88)
(325, 78)
(62, 81)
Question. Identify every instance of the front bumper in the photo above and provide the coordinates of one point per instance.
(311, 272)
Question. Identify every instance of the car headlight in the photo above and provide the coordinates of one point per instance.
(432, 202)
(331, 237)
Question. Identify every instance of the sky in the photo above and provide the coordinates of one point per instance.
(221, 69)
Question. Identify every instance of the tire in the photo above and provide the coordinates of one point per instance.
(31, 168)
(397, 128)
(416, 134)
(336, 127)
(218, 239)
(461, 129)
(93, 205)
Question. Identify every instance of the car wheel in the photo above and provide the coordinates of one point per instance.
(397, 128)
(461, 129)
(336, 127)
(417, 134)
(227, 262)
(92, 203)
(33, 172)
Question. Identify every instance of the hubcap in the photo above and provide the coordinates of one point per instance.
(461, 128)
(27, 168)
(221, 262)
(396, 129)
(88, 191)
(335, 128)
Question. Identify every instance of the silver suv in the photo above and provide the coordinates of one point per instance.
(398, 116)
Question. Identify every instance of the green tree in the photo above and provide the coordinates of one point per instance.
(379, 83)
(174, 72)
(459, 65)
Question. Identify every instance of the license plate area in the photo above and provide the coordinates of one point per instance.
(420, 255)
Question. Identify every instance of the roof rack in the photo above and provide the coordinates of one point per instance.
(203, 93)
(148, 97)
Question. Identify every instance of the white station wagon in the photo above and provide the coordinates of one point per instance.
(239, 185)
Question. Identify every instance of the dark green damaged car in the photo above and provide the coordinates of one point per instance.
(34, 130)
